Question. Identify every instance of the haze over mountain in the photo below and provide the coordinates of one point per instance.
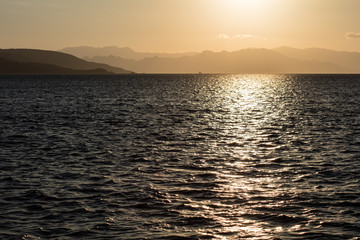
(254, 60)
(44, 61)
(346, 60)
(124, 52)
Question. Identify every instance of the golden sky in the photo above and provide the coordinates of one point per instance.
(180, 25)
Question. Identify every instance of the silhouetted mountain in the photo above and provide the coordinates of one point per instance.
(14, 67)
(56, 58)
(125, 52)
(243, 61)
(346, 60)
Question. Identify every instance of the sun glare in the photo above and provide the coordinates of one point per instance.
(245, 3)
(249, 9)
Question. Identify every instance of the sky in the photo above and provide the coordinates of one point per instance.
(180, 25)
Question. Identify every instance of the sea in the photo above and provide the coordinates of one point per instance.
(191, 156)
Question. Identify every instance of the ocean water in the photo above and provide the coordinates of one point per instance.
(180, 157)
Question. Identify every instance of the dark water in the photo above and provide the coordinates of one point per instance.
(180, 157)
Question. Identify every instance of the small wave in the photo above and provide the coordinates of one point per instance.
(196, 220)
(280, 219)
(81, 234)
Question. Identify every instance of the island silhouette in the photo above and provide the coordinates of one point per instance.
(34, 61)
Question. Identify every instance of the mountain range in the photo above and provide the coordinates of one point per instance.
(110, 60)
(350, 61)
(252, 60)
(34, 61)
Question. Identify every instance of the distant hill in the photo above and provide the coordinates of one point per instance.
(243, 61)
(14, 67)
(124, 52)
(346, 60)
(56, 59)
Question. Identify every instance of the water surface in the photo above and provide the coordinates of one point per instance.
(180, 157)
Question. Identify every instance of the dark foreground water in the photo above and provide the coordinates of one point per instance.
(180, 157)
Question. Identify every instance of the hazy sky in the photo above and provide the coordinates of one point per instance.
(180, 25)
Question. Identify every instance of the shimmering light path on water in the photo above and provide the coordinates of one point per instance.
(180, 157)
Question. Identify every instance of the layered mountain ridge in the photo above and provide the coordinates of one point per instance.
(251, 60)
(114, 60)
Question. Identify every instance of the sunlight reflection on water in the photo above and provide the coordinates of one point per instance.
(250, 107)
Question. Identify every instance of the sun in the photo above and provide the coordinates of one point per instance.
(248, 6)
(251, 10)
(246, 3)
